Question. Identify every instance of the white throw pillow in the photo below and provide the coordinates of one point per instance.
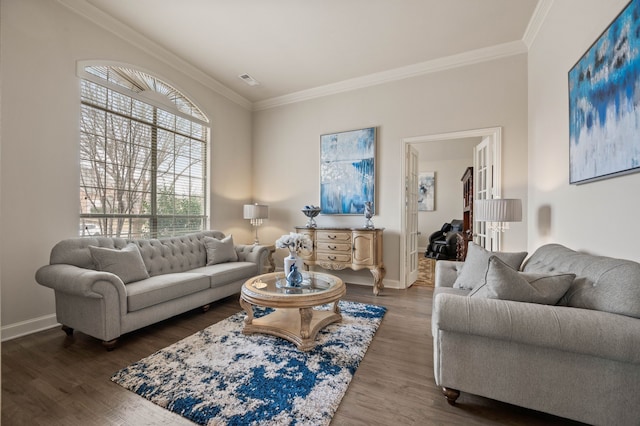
(220, 251)
(474, 270)
(126, 263)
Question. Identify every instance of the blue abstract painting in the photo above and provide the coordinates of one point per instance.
(347, 171)
(604, 92)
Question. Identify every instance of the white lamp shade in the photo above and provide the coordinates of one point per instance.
(256, 211)
(498, 210)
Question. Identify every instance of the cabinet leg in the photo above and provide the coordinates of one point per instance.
(68, 330)
(378, 275)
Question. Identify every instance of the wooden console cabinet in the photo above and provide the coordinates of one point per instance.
(341, 248)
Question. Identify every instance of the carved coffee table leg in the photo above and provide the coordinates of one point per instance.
(336, 307)
(305, 321)
(451, 395)
(248, 309)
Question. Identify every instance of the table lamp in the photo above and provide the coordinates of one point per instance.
(256, 213)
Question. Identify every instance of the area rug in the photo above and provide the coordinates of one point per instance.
(426, 271)
(219, 376)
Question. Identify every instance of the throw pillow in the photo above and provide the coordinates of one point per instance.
(474, 270)
(126, 263)
(220, 251)
(503, 282)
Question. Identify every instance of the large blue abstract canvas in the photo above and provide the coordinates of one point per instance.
(604, 94)
(347, 171)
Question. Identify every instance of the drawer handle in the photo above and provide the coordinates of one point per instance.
(332, 247)
(332, 258)
(331, 237)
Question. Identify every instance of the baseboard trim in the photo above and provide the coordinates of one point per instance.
(31, 326)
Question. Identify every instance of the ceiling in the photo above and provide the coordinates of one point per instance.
(300, 46)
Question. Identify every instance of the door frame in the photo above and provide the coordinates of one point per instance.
(493, 132)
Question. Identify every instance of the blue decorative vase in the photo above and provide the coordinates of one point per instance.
(294, 277)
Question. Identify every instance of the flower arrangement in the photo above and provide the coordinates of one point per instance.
(295, 242)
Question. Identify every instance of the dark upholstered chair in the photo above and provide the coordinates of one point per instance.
(443, 244)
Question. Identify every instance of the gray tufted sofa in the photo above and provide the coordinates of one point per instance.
(578, 359)
(101, 305)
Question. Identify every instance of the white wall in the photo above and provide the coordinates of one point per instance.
(41, 42)
(286, 143)
(598, 217)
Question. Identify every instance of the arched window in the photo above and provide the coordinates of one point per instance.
(143, 156)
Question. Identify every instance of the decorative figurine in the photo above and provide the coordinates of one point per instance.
(368, 213)
(294, 277)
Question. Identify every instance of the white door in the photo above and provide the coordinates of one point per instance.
(411, 220)
(486, 186)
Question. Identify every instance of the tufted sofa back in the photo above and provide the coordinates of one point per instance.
(161, 256)
(602, 283)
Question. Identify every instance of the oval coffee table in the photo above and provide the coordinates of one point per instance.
(293, 318)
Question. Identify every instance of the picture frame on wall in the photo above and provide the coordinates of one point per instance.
(604, 118)
(426, 191)
(347, 171)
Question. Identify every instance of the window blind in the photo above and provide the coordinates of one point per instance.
(143, 170)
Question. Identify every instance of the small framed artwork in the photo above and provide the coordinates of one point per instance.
(347, 171)
(604, 87)
(426, 191)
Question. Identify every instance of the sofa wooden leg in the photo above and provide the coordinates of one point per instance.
(451, 395)
(206, 307)
(68, 330)
(110, 344)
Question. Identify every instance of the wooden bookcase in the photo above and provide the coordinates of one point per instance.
(467, 214)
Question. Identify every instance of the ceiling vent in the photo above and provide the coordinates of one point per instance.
(249, 80)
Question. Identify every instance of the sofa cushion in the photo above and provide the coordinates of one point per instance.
(474, 270)
(503, 282)
(125, 263)
(220, 251)
(162, 288)
(225, 273)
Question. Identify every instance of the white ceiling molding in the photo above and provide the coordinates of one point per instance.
(463, 59)
(95, 15)
(106, 21)
(537, 19)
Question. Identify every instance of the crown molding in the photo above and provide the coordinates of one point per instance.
(536, 21)
(109, 23)
(463, 59)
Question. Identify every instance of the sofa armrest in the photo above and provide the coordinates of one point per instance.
(582, 331)
(254, 253)
(446, 272)
(82, 282)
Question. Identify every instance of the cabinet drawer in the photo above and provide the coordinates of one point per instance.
(333, 257)
(333, 236)
(331, 247)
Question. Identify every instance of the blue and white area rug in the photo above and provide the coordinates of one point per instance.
(219, 376)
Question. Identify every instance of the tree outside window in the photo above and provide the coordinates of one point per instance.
(143, 149)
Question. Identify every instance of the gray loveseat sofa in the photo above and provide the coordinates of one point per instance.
(578, 358)
(106, 287)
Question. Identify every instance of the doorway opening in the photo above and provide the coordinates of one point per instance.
(487, 157)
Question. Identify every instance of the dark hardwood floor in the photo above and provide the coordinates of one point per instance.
(51, 379)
